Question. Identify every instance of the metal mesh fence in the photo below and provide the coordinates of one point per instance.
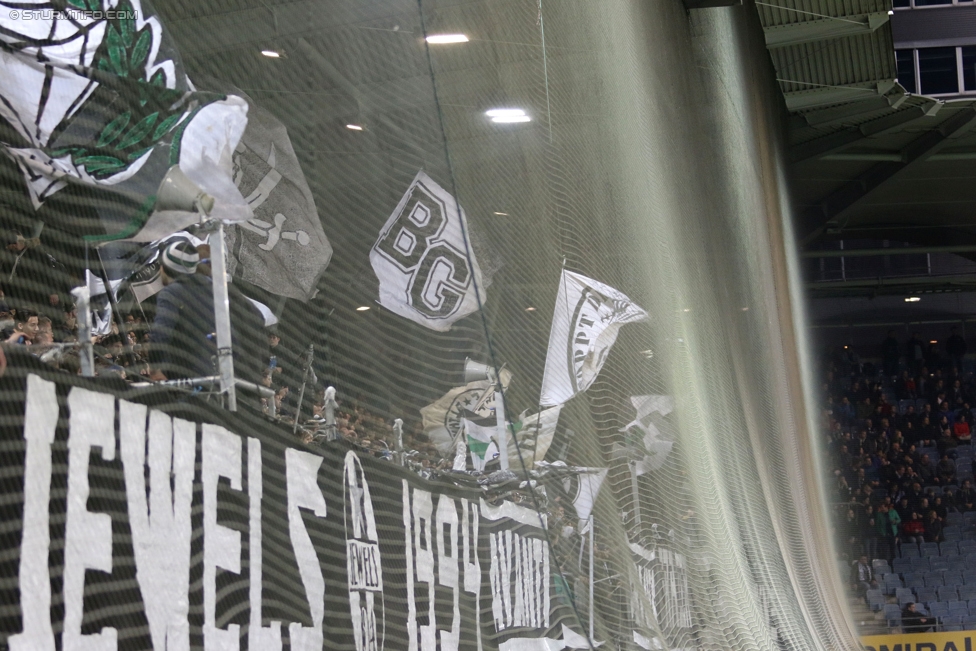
(588, 199)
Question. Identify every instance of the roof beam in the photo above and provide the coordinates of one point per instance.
(828, 214)
(824, 28)
(841, 139)
(820, 95)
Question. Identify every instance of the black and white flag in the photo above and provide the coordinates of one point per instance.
(425, 264)
(585, 324)
(282, 248)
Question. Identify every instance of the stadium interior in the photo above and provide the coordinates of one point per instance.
(677, 295)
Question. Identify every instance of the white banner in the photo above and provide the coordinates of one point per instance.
(585, 324)
(425, 265)
(534, 434)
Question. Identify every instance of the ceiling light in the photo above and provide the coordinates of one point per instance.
(271, 54)
(508, 115)
(362, 308)
(508, 119)
(891, 12)
(687, 309)
(501, 214)
(354, 127)
(530, 309)
(745, 309)
(934, 341)
(441, 39)
(912, 299)
(647, 353)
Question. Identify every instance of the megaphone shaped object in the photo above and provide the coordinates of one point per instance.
(177, 192)
(476, 371)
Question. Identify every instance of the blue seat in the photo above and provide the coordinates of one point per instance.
(936, 564)
(926, 595)
(972, 605)
(901, 565)
(912, 580)
(969, 623)
(904, 596)
(953, 517)
(952, 577)
(958, 605)
(969, 577)
(929, 550)
(876, 600)
(947, 548)
(967, 592)
(958, 564)
(938, 609)
(909, 550)
(921, 564)
(952, 622)
(933, 581)
(880, 566)
(892, 615)
(953, 537)
(948, 593)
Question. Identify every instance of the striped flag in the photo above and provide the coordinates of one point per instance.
(481, 432)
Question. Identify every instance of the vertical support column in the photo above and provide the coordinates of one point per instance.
(225, 355)
(82, 296)
(500, 424)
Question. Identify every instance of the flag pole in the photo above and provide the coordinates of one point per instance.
(591, 577)
(301, 394)
(225, 354)
(500, 423)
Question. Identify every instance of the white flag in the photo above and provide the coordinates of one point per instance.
(425, 264)
(585, 324)
(442, 418)
(655, 448)
(584, 487)
(534, 434)
(482, 433)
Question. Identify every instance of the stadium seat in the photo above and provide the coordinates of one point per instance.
(876, 600)
(892, 615)
(952, 537)
(891, 582)
(967, 547)
(909, 550)
(951, 622)
(938, 563)
(901, 565)
(929, 550)
(969, 623)
(967, 592)
(938, 609)
(925, 595)
(958, 563)
(904, 596)
(948, 593)
(947, 548)
(880, 566)
(952, 577)
(961, 606)
(903, 406)
(933, 581)
(953, 517)
(968, 518)
(912, 580)
(972, 605)
(969, 577)
(920, 564)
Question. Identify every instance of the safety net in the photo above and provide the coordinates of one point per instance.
(511, 355)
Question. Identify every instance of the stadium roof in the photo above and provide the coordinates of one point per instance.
(870, 160)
